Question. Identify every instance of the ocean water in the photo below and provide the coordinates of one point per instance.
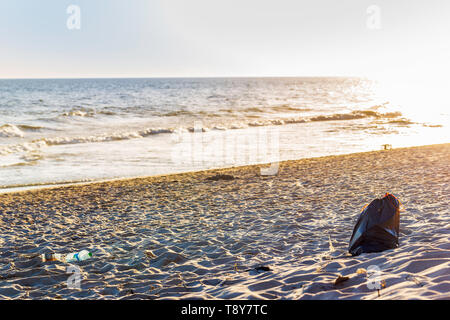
(78, 130)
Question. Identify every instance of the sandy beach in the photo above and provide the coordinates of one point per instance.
(186, 236)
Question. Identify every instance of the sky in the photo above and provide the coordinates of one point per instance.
(233, 38)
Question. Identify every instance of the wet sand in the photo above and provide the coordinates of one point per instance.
(185, 236)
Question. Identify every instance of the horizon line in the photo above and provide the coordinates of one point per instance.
(182, 77)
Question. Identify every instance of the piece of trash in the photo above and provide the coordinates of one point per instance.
(361, 271)
(47, 257)
(340, 279)
(382, 286)
(258, 269)
(221, 177)
(378, 226)
(71, 257)
(78, 256)
(263, 268)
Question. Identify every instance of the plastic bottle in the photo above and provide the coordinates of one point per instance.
(46, 257)
(71, 257)
(78, 256)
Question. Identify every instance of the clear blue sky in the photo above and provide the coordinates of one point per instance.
(164, 38)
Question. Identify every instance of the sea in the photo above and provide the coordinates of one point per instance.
(66, 131)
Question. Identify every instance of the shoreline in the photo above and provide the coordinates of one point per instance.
(53, 186)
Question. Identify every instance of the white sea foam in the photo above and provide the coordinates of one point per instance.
(13, 131)
(106, 137)
(9, 130)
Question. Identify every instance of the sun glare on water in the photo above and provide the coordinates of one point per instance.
(421, 100)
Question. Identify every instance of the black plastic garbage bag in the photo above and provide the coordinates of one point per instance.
(377, 228)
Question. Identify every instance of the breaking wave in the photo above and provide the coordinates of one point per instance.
(357, 114)
(86, 112)
(289, 108)
(26, 127)
(39, 143)
(104, 138)
(10, 130)
(18, 131)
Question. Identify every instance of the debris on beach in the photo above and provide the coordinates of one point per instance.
(71, 257)
(378, 227)
(361, 271)
(382, 286)
(340, 279)
(263, 268)
(260, 269)
(218, 177)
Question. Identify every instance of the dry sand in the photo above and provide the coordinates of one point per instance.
(183, 236)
